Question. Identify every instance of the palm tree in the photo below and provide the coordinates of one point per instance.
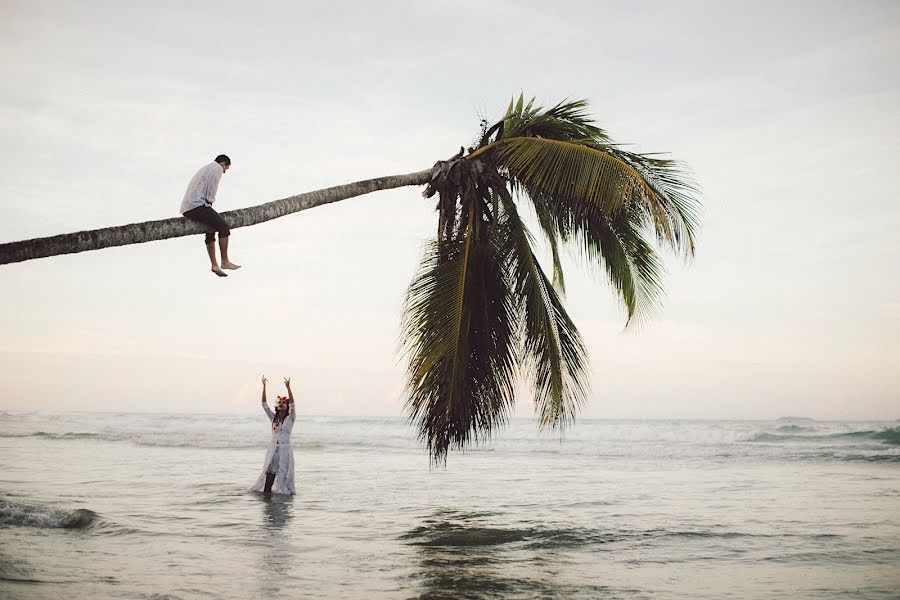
(482, 312)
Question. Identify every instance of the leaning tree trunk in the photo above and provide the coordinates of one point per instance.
(150, 231)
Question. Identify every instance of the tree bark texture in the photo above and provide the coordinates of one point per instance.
(150, 231)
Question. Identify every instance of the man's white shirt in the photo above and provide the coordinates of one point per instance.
(201, 191)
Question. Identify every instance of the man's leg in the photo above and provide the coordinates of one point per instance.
(223, 248)
(211, 250)
(209, 217)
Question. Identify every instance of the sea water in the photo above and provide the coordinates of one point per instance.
(157, 506)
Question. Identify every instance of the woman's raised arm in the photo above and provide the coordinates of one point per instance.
(287, 384)
(264, 404)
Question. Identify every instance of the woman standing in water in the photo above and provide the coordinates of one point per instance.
(278, 469)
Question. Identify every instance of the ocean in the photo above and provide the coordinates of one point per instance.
(155, 506)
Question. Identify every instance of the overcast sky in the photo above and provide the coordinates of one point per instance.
(787, 112)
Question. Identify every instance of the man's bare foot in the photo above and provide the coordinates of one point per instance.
(230, 265)
(219, 272)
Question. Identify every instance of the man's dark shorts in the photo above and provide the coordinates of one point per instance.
(208, 216)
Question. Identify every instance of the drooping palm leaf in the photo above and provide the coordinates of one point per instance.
(615, 242)
(459, 320)
(553, 352)
(675, 190)
(631, 263)
(605, 199)
(561, 154)
(559, 278)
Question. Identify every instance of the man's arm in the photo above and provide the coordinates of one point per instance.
(212, 182)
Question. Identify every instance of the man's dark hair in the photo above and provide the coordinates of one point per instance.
(223, 159)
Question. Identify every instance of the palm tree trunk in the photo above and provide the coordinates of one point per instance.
(150, 231)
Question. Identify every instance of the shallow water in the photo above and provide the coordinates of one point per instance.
(156, 506)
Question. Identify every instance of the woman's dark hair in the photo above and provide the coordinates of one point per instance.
(223, 159)
(279, 417)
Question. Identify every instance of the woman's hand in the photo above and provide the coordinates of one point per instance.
(287, 384)
(264, 380)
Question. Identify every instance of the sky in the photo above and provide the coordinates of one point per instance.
(788, 114)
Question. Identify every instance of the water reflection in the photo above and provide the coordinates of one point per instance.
(276, 510)
(477, 555)
(277, 556)
(460, 554)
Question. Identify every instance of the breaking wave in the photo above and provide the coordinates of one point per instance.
(890, 435)
(793, 428)
(27, 515)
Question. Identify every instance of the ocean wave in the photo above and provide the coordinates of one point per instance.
(793, 428)
(75, 435)
(481, 534)
(890, 458)
(779, 437)
(154, 439)
(459, 534)
(184, 442)
(46, 517)
(601, 439)
(65, 435)
(211, 441)
(890, 435)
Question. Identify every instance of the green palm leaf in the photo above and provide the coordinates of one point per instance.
(605, 199)
(459, 320)
(675, 191)
(568, 170)
(551, 233)
(618, 244)
(553, 352)
(561, 154)
(567, 121)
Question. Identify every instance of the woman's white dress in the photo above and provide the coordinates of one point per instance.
(281, 453)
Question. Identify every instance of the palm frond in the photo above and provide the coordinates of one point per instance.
(676, 193)
(553, 352)
(458, 327)
(551, 233)
(562, 154)
(607, 199)
(616, 243)
(631, 263)
(568, 170)
(568, 121)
